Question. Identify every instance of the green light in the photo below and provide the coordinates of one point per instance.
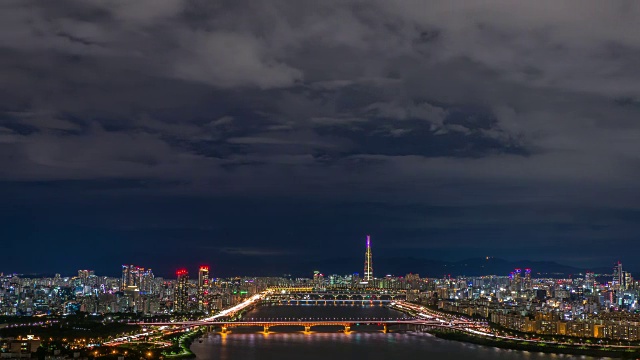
(243, 292)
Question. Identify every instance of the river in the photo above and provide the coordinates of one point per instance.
(329, 344)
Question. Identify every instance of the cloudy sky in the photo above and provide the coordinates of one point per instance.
(251, 135)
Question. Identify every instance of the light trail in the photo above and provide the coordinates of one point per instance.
(232, 310)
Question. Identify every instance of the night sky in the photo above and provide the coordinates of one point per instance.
(271, 136)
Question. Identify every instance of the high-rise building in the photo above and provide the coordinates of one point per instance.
(203, 277)
(84, 274)
(617, 282)
(203, 288)
(125, 277)
(368, 262)
(589, 280)
(516, 284)
(131, 276)
(318, 279)
(83, 277)
(528, 283)
(628, 280)
(146, 281)
(181, 302)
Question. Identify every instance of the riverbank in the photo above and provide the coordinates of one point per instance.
(181, 348)
(519, 345)
(531, 346)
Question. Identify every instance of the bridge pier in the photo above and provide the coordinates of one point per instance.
(386, 328)
(347, 328)
(307, 328)
(266, 329)
(223, 330)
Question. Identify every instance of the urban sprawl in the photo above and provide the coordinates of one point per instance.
(602, 307)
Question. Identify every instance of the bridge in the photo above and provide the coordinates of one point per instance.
(224, 319)
(266, 324)
(313, 292)
(422, 319)
(307, 325)
(329, 301)
(310, 296)
(310, 289)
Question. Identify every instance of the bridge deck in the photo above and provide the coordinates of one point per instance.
(309, 322)
(333, 300)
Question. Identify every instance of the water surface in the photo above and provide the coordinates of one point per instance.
(338, 346)
(284, 343)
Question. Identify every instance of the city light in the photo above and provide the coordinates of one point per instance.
(538, 310)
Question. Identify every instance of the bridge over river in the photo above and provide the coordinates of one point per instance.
(242, 315)
(350, 309)
(307, 325)
(346, 324)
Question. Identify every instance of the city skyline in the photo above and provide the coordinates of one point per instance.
(578, 315)
(343, 179)
(583, 314)
(136, 276)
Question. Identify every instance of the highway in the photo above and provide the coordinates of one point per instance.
(422, 316)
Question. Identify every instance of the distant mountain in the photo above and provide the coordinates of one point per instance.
(400, 266)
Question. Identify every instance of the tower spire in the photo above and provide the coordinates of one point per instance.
(368, 263)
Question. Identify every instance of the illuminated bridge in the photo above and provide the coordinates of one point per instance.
(421, 320)
(310, 296)
(308, 324)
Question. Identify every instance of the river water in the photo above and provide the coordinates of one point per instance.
(322, 343)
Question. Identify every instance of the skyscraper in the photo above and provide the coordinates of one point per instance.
(203, 287)
(618, 277)
(368, 262)
(181, 303)
(203, 277)
(528, 283)
(131, 276)
(146, 281)
(516, 283)
(125, 277)
(590, 280)
(628, 281)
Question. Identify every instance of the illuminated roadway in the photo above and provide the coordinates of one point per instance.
(423, 317)
(220, 319)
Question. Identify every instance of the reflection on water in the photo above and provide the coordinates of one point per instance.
(290, 343)
(336, 346)
(323, 312)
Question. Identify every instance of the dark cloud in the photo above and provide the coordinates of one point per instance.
(488, 117)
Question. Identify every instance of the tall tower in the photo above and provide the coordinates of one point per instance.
(181, 303)
(368, 262)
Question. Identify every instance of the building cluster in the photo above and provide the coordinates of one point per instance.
(588, 305)
(137, 290)
(19, 347)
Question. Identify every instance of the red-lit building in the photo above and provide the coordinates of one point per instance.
(203, 288)
(181, 303)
